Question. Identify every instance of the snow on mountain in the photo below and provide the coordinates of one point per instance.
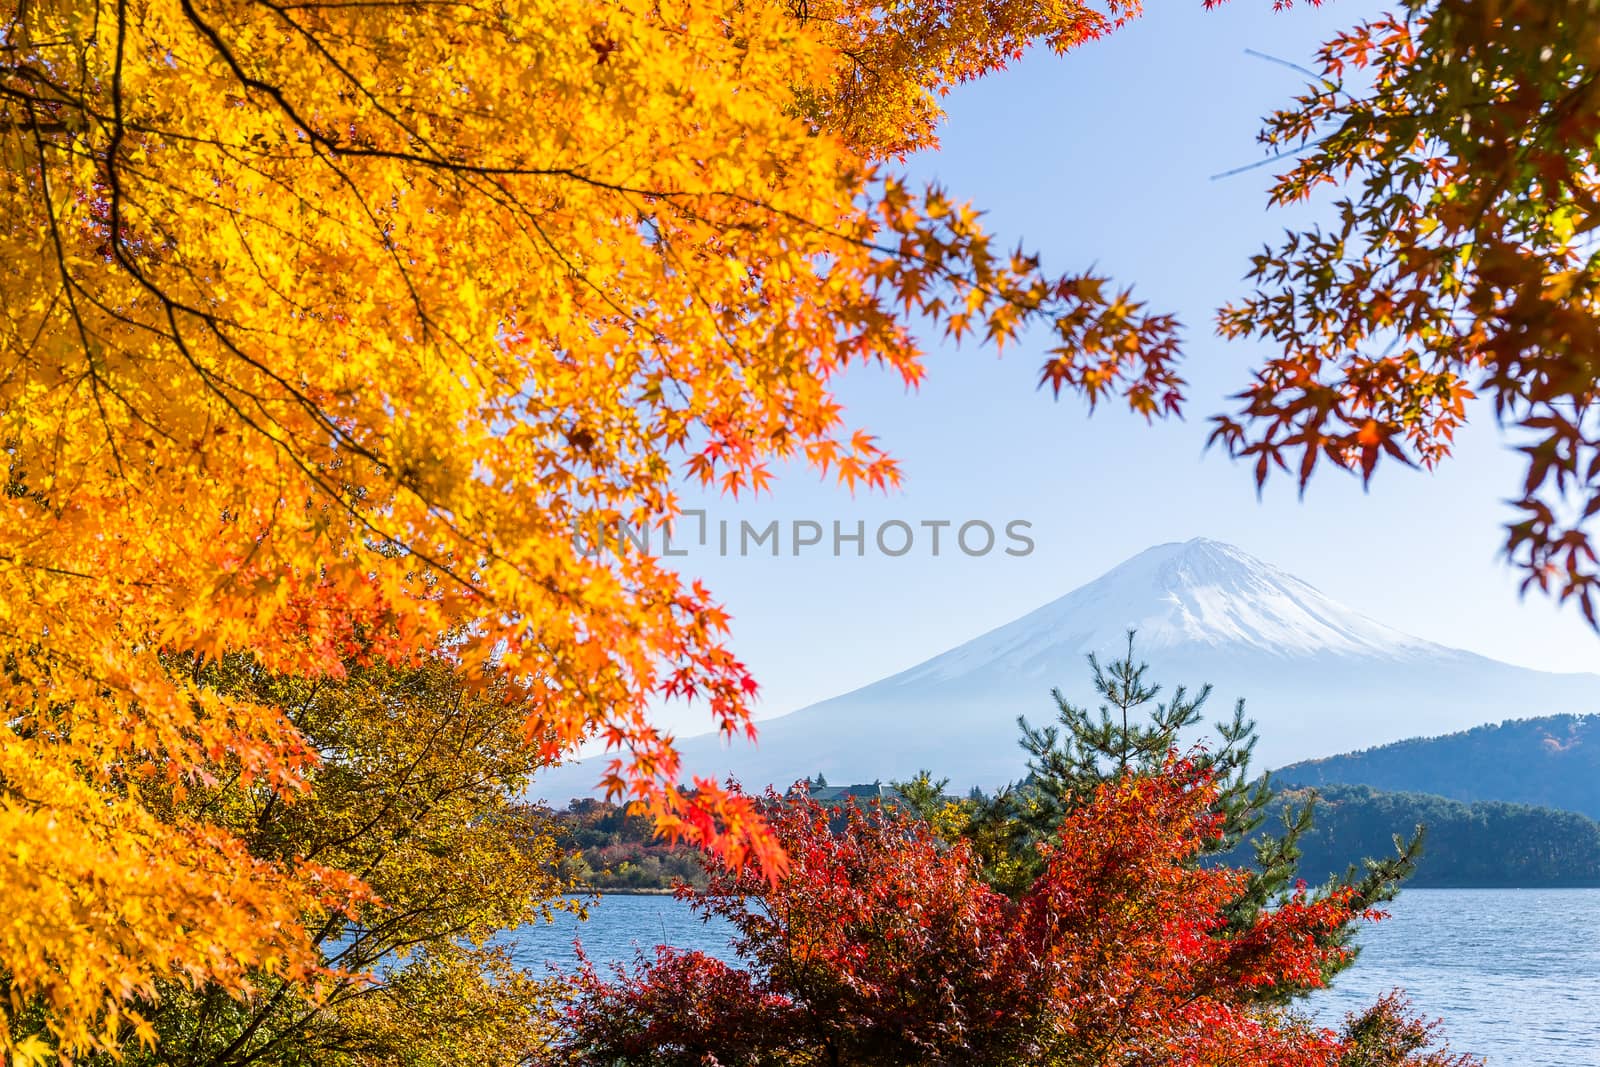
(1319, 678)
(1200, 592)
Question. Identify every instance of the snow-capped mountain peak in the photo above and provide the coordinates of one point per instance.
(1198, 592)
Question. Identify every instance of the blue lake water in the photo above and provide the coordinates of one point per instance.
(1514, 974)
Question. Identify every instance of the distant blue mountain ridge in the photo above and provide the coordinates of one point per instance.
(1551, 762)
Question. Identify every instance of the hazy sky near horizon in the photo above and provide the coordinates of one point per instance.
(1105, 157)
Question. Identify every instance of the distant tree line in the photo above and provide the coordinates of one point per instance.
(1485, 843)
(610, 850)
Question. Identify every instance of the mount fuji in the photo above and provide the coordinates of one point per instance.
(1318, 677)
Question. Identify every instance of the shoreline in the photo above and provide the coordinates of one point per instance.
(1587, 887)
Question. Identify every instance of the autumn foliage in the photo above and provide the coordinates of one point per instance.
(1460, 140)
(885, 946)
(326, 328)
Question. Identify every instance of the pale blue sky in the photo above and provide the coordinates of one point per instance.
(1104, 157)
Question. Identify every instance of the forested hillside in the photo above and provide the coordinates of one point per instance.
(614, 852)
(1486, 843)
(1552, 762)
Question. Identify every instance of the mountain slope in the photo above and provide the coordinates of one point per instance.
(1200, 593)
(1320, 678)
(1552, 761)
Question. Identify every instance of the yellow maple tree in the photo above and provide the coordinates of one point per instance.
(324, 324)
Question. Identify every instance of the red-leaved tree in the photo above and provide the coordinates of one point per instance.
(885, 947)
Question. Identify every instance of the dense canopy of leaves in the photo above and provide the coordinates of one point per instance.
(416, 792)
(325, 326)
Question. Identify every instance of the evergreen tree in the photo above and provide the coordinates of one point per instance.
(1133, 732)
(923, 796)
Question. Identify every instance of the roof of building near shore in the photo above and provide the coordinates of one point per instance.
(837, 794)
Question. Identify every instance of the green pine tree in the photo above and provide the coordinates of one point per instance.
(1134, 732)
(923, 795)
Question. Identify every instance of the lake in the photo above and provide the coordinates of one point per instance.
(1515, 974)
